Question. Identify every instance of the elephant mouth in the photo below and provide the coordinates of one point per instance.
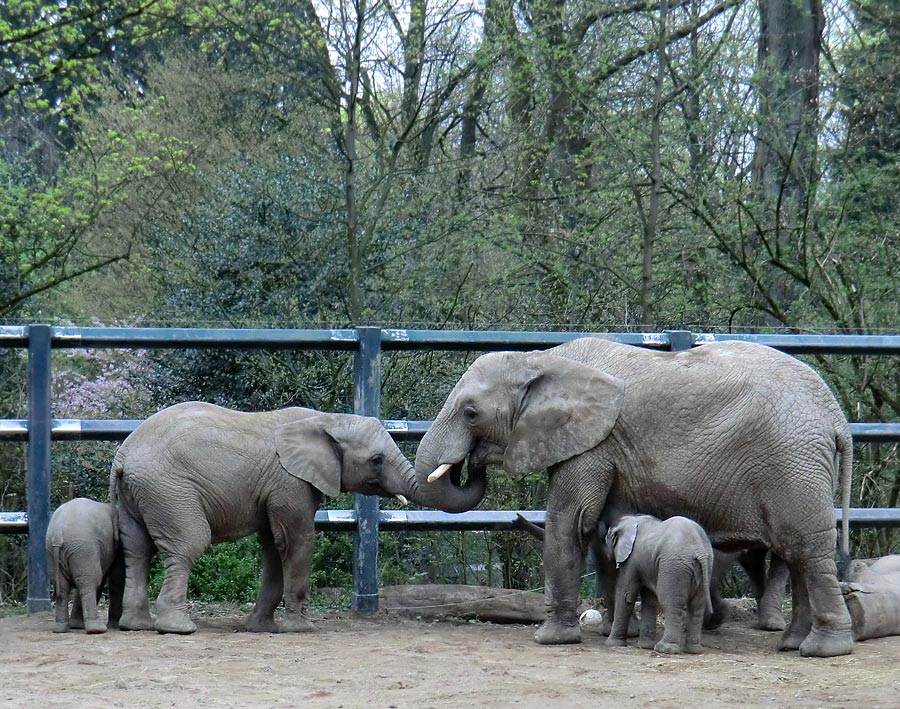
(463, 472)
(486, 453)
(468, 475)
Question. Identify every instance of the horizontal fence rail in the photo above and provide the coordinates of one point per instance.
(367, 344)
(476, 520)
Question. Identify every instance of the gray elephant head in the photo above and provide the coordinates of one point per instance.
(524, 411)
(620, 539)
(340, 453)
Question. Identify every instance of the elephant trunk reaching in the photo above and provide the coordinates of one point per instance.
(437, 454)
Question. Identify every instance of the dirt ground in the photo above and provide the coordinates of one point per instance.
(388, 661)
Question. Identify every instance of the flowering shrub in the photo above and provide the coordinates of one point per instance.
(101, 383)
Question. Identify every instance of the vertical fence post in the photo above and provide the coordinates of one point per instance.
(38, 487)
(680, 340)
(366, 402)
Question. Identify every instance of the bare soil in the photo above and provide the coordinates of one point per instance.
(391, 661)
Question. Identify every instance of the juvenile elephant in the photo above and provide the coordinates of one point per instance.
(746, 440)
(82, 553)
(196, 474)
(766, 583)
(668, 564)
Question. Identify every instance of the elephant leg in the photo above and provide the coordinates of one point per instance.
(818, 604)
(801, 621)
(87, 591)
(753, 562)
(137, 552)
(672, 591)
(179, 555)
(831, 633)
(296, 558)
(271, 587)
(575, 498)
(694, 624)
(76, 619)
(649, 611)
(626, 594)
(722, 561)
(770, 604)
(606, 588)
(562, 569)
(115, 588)
(61, 593)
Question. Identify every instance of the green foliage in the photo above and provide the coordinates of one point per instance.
(227, 573)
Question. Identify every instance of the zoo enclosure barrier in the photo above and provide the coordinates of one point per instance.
(367, 343)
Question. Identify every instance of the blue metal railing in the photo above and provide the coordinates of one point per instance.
(367, 343)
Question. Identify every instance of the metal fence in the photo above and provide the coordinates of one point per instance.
(365, 519)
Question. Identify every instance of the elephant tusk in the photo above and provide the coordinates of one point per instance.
(440, 472)
(403, 500)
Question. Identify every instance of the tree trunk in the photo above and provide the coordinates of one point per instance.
(784, 166)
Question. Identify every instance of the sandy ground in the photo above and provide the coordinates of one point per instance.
(387, 661)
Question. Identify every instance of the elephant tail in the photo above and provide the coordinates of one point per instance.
(54, 563)
(845, 450)
(115, 479)
(705, 561)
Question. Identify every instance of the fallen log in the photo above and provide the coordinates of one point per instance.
(494, 605)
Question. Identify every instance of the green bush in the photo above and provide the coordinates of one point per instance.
(227, 573)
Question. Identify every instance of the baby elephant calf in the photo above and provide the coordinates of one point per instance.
(668, 564)
(82, 552)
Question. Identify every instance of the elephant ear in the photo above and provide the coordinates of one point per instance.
(566, 409)
(307, 450)
(620, 541)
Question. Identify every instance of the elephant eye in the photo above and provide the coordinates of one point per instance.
(470, 414)
(377, 460)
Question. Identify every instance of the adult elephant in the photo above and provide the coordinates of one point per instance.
(747, 441)
(195, 474)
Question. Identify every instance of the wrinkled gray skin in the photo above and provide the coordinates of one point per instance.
(196, 474)
(83, 552)
(747, 441)
(667, 564)
(766, 584)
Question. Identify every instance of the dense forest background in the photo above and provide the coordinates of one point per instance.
(606, 165)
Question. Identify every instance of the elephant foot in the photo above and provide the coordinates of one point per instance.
(260, 625)
(827, 643)
(296, 623)
(647, 643)
(792, 638)
(136, 621)
(771, 618)
(94, 627)
(172, 621)
(668, 648)
(554, 633)
(634, 625)
(613, 641)
(772, 622)
(76, 623)
(693, 648)
(714, 620)
(61, 627)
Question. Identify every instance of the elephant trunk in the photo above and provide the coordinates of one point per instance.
(446, 493)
